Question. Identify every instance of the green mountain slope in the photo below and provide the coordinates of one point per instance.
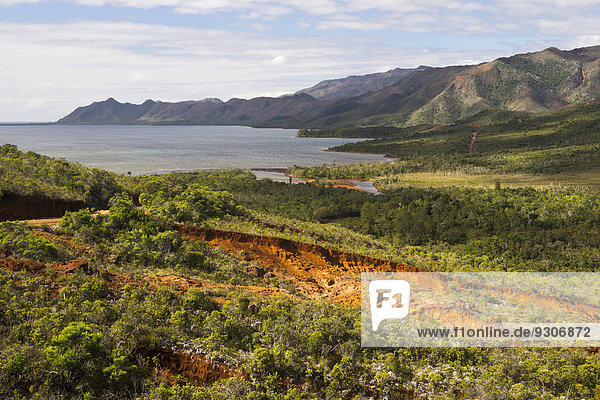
(560, 146)
(532, 82)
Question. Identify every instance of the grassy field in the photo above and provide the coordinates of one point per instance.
(581, 181)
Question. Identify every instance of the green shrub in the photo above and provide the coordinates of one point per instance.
(17, 238)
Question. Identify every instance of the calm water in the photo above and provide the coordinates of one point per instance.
(142, 149)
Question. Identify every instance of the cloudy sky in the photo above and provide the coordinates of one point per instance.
(57, 55)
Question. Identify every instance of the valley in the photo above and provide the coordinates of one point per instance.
(215, 284)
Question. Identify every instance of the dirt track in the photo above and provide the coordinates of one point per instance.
(471, 145)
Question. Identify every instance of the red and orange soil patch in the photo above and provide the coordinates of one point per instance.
(193, 367)
(316, 271)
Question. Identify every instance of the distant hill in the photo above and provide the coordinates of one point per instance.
(357, 85)
(532, 82)
(287, 111)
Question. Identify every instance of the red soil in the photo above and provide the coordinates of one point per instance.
(471, 144)
(316, 271)
(196, 368)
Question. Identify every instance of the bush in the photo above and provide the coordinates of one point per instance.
(17, 238)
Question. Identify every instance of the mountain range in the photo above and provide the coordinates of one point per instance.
(356, 85)
(531, 82)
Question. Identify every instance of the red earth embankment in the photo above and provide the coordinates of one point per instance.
(342, 261)
(193, 367)
(315, 271)
(319, 272)
(38, 268)
(14, 206)
(116, 281)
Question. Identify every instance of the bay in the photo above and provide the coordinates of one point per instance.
(155, 149)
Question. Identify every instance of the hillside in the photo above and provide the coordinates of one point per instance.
(286, 111)
(29, 175)
(532, 82)
(357, 85)
(216, 285)
(554, 149)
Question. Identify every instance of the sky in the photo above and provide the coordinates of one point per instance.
(58, 55)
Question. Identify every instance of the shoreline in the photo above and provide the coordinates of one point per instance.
(389, 157)
(280, 174)
(283, 170)
(278, 170)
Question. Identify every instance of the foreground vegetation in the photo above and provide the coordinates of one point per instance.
(87, 335)
(82, 344)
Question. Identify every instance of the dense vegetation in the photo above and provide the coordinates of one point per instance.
(33, 174)
(500, 229)
(87, 335)
(361, 131)
(84, 343)
(304, 201)
(560, 142)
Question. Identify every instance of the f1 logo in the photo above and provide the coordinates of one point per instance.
(389, 299)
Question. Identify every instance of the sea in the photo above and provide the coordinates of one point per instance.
(140, 149)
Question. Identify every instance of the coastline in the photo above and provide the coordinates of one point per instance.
(156, 149)
(388, 157)
(281, 175)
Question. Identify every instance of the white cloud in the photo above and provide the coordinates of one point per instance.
(35, 104)
(454, 17)
(279, 60)
(142, 4)
(571, 4)
(137, 77)
(584, 41)
(50, 68)
(72, 64)
(356, 25)
(13, 2)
